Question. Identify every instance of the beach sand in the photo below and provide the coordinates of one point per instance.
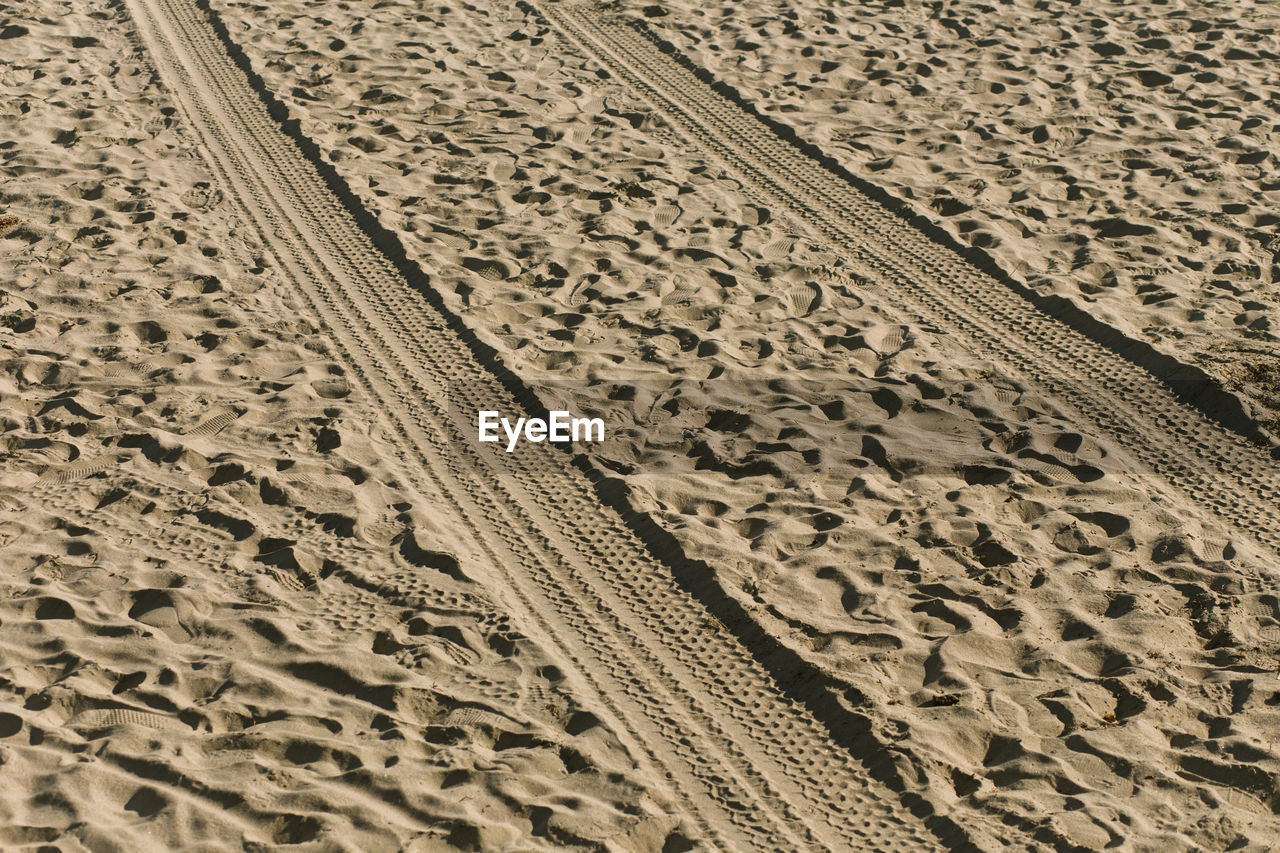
(239, 615)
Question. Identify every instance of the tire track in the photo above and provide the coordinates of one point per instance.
(755, 767)
(1168, 415)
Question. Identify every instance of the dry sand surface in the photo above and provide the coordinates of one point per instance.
(1120, 154)
(225, 622)
(887, 548)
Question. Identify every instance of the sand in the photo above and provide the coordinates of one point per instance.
(238, 614)
(225, 623)
(1121, 156)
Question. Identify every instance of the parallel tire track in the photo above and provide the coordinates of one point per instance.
(1234, 478)
(755, 769)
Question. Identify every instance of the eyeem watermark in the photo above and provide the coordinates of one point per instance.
(560, 429)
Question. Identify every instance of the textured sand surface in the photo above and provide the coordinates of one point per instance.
(232, 620)
(224, 621)
(1119, 154)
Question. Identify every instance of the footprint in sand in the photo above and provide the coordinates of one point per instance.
(885, 340)
(105, 718)
(804, 298)
(502, 171)
(202, 197)
(682, 291)
(220, 419)
(664, 215)
(488, 268)
(778, 249)
(80, 469)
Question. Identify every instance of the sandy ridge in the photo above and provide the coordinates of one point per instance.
(188, 21)
(1232, 476)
